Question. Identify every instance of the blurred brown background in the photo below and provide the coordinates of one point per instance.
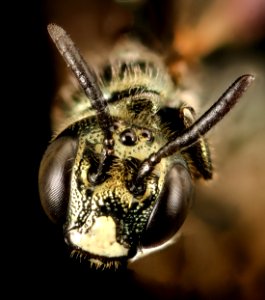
(221, 251)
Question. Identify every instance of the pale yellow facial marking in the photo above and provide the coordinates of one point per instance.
(100, 240)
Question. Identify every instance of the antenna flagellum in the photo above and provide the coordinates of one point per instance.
(191, 135)
(88, 81)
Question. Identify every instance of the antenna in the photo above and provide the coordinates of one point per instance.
(88, 81)
(191, 135)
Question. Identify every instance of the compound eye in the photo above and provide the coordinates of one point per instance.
(171, 207)
(128, 137)
(54, 177)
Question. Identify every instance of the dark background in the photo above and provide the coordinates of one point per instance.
(34, 254)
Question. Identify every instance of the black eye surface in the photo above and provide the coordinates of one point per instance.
(115, 126)
(128, 137)
(147, 134)
(170, 209)
(54, 177)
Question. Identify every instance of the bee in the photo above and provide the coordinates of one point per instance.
(119, 173)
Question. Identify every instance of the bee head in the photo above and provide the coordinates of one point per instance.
(114, 185)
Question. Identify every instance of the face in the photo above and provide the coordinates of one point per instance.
(106, 222)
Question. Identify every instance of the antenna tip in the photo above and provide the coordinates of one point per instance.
(55, 31)
(247, 79)
(243, 82)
